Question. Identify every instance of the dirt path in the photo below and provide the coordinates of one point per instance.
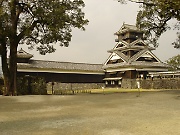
(153, 113)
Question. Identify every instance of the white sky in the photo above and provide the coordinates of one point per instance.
(90, 46)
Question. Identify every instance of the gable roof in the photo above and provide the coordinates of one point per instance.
(133, 61)
(123, 43)
(115, 56)
(144, 53)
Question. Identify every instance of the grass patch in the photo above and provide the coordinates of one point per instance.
(102, 91)
(114, 90)
(121, 90)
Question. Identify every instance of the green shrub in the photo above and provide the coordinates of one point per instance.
(38, 86)
(22, 86)
(31, 85)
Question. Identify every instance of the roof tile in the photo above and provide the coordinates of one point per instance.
(55, 65)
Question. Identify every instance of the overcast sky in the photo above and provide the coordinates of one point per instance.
(105, 18)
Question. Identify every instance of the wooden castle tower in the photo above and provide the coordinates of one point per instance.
(131, 58)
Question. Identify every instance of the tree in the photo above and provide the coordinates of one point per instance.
(39, 23)
(174, 62)
(153, 18)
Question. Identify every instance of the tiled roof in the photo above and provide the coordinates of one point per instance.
(23, 54)
(131, 27)
(136, 64)
(55, 65)
(127, 27)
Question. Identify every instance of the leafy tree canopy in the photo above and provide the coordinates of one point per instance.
(153, 18)
(41, 22)
(174, 62)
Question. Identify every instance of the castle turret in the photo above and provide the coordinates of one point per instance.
(130, 58)
(23, 57)
(129, 33)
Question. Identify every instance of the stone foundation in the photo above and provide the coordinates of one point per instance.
(168, 83)
(171, 83)
(73, 86)
(128, 84)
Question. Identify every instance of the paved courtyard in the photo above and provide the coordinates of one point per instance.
(153, 113)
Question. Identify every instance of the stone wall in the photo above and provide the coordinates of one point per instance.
(128, 84)
(73, 86)
(167, 83)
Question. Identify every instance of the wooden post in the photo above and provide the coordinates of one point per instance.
(52, 88)
(138, 85)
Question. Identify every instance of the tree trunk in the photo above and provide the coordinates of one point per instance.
(5, 68)
(9, 71)
(13, 38)
(13, 69)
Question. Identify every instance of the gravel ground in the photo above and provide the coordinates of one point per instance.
(153, 113)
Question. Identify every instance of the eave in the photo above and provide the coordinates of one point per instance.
(59, 71)
(137, 69)
(136, 65)
(114, 78)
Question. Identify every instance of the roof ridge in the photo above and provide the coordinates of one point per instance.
(65, 62)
